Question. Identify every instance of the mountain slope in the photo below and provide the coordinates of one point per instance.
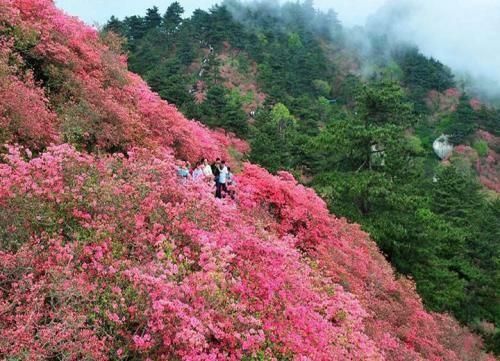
(105, 254)
(356, 116)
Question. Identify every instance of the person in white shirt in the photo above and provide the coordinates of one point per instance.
(207, 169)
(223, 177)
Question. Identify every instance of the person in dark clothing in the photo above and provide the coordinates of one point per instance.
(216, 169)
(223, 178)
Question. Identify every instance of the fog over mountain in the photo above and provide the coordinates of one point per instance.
(460, 33)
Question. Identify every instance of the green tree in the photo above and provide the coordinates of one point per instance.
(153, 18)
(421, 75)
(173, 17)
(214, 106)
(135, 28)
(463, 122)
(115, 25)
(275, 139)
(368, 152)
(234, 117)
(168, 81)
(458, 199)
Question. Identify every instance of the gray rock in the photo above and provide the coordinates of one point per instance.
(442, 147)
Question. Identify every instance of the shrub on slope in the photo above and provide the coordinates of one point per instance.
(22, 101)
(109, 257)
(98, 103)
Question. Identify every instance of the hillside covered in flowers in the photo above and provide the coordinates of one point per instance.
(105, 255)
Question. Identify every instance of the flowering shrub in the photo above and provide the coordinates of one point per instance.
(443, 102)
(476, 104)
(106, 255)
(342, 253)
(16, 118)
(100, 105)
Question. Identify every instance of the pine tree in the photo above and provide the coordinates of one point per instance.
(115, 25)
(173, 17)
(153, 18)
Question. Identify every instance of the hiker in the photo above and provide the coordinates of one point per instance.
(183, 170)
(198, 172)
(207, 169)
(230, 177)
(223, 178)
(216, 170)
(231, 182)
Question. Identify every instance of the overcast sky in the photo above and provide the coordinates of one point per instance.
(463, 34)
(98, 11)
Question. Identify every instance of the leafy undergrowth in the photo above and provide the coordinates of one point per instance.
(488, 166)
(104, 254)
(240, 75)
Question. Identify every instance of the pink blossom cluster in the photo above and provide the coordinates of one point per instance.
(476, 104)
(92, 98)
(488, 166)
(16, 117)
(443, 102)
(106, 255)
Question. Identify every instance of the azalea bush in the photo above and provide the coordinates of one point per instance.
(83, 91)
(106, 255)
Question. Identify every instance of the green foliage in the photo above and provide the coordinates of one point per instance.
(457, 198)
(115, 25)
(481, 147)
(422, 72)
(168, 82)
(365, 149)
(153, 18)
(421, 75)
(294, 42)
(322, 87)
(435, 232)
(489, 118)
(234, 118)
(173, 17)
(463, 122)
(275, 139)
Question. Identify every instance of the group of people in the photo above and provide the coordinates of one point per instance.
(219, 172)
